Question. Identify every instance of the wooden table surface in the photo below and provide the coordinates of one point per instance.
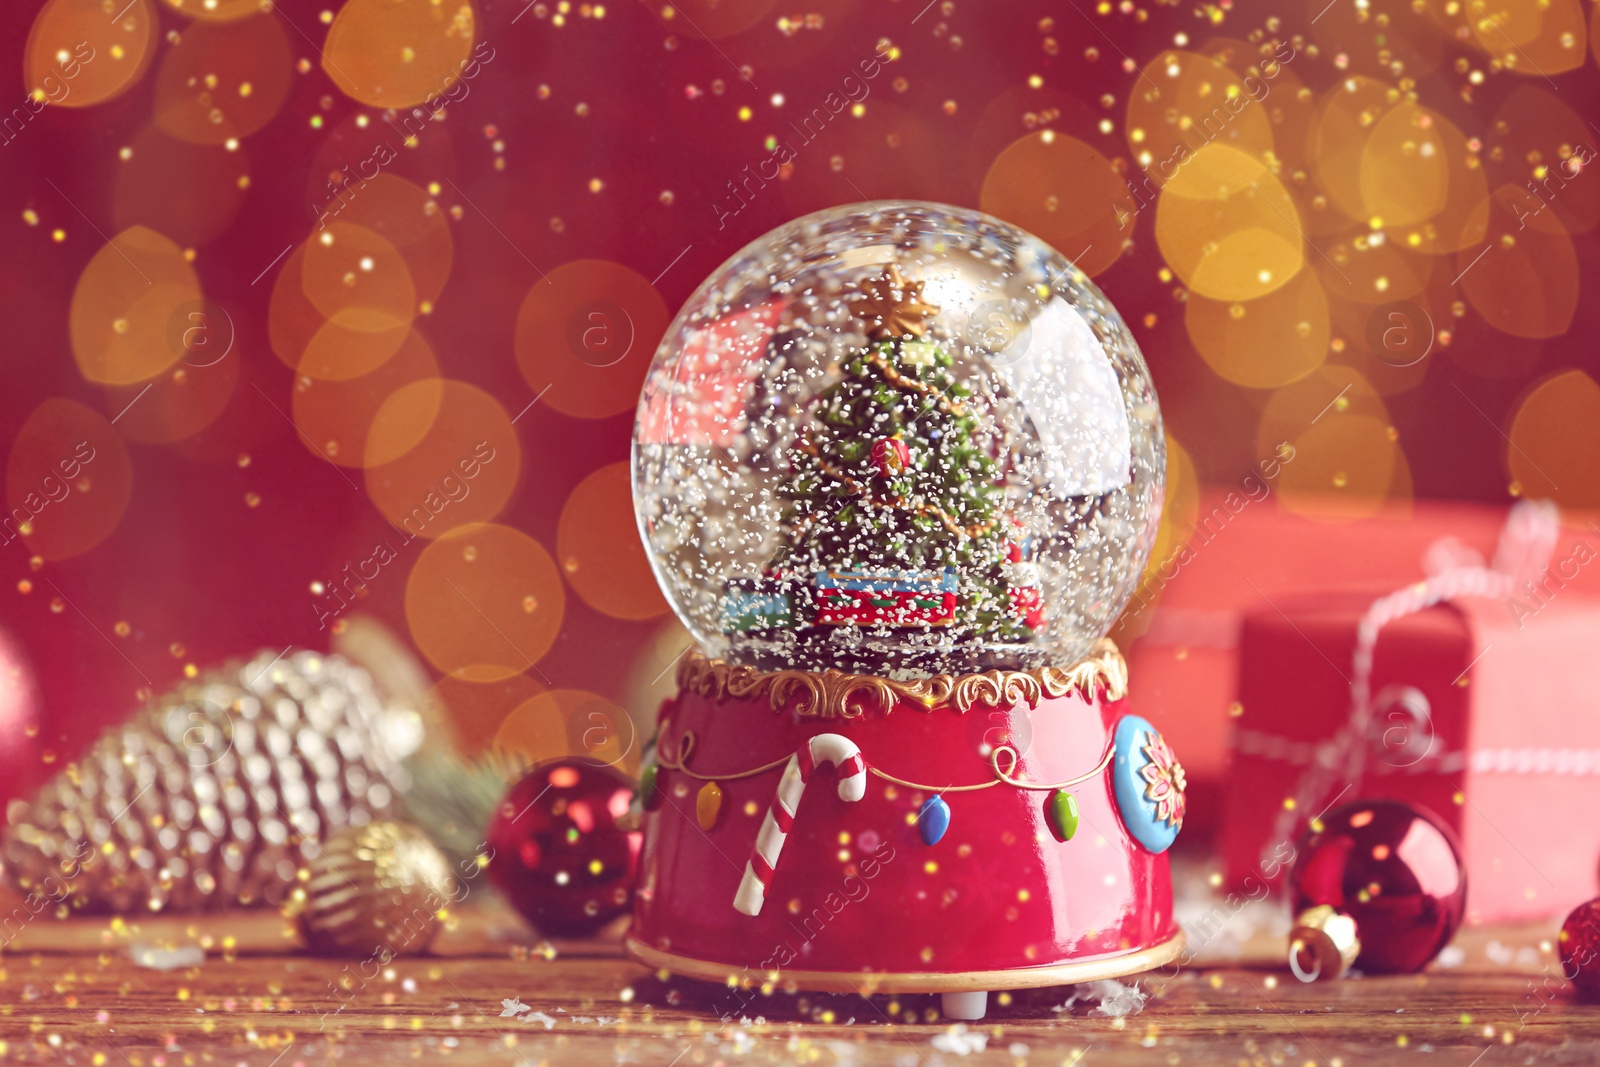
(71, 992)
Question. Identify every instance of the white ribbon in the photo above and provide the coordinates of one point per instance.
(1455, 570)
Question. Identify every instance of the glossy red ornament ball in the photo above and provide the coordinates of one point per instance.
(1392, 868)
(21, 707)
(557, 852)
(1580, 949)
(890, 455)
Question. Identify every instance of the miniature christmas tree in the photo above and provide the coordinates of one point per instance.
(894, 502)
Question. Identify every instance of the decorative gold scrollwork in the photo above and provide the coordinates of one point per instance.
(836, 694)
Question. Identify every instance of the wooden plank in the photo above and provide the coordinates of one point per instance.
(69, 989)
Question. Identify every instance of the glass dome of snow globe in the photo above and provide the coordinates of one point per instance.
(900, 439)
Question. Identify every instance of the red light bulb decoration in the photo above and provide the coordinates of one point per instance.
(1377, 885)
(890, 456)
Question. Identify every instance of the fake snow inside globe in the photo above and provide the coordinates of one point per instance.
(903, 439)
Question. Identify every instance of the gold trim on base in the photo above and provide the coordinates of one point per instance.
(869, 982)
(835, 694)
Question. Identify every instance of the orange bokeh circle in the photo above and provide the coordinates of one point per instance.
(219, 10)
(78, 55)
(462, 470)
(1183, 101)
(68, 480)
(1066, 192)
(356, 278)
(1227, 226)
(475, 711)
(396, 53)
(336, 416)
(410, 220)
(221, 81)
(484, 602)
(123, 307)
(597, 542)
(1554, 446)
(1524, 280)
(571, 724)
(1264, 343)
(586, 333)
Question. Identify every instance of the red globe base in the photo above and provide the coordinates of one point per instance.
(856, 900)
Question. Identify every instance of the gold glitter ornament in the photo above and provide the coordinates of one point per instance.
(377, 891)
(218, 792)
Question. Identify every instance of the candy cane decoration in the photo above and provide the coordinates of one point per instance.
(836, 749)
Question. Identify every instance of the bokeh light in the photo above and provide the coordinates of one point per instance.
(585, 334)
(1404, 175)
(571, 723)
(1525, 279)
(475, 711)
(337, 416)
(1456, 224)
(397, 53)
(1554, 446)
(79, 56)
(1346, 117)
(597, 542)
(410, 220)
(219, 10)
(1346, 461)
(1370, 269)
(358, 280)
(1065, 191)
(1263, 343)
(1184, 101)
(462, 470)
(124, 305)
(1227, 226)
(484, 602)
(1531, 39)
(222, 81)
(1548, 148)
(68, 480)
(344, 300)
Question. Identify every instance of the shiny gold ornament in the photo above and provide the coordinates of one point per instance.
(216, 793)
(831, 693)
(893, 305)
(376, 891)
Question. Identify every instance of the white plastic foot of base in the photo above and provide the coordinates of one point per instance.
(965, 1006)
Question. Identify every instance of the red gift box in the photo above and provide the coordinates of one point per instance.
(1183, 648)
(1480, 709)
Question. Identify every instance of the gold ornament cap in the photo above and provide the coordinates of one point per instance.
(1324, 938)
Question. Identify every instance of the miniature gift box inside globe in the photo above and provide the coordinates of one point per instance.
(898, 468)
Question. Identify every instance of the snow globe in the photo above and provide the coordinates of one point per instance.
(898, 468)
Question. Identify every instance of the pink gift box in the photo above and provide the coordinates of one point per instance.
(1484, 710)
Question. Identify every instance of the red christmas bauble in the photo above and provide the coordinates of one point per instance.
(890, 455)
(1390, 869)
(1580, 949)
(557, 852)
(20, 710)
